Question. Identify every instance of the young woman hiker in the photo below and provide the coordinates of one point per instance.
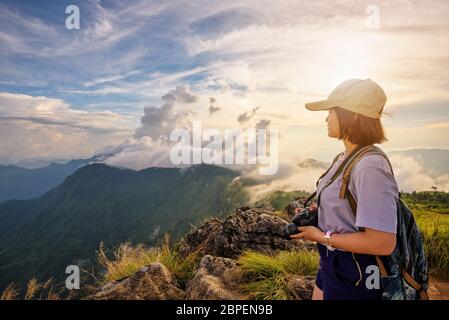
(348, 242)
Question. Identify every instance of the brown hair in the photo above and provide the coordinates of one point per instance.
(361, 131)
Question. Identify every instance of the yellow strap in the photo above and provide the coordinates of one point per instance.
(409, 279)
(347, 171)
(380, 264)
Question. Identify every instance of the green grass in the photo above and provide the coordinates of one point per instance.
(434, 228)
(435, 201)
(266, 274)
(431, 211)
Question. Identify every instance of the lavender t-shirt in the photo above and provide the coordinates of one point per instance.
(373, 187)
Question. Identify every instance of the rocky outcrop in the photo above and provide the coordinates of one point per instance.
(217, 278)
(256, 229)
(152, 282)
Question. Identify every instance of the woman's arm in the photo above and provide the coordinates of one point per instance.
(369, 241)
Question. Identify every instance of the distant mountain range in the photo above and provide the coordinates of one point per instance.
(98, 203)
(36, 163)
(22, 183)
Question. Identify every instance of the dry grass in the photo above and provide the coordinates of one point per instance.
(127, 260)
(10, 293)
(34, 290)
(33, 287)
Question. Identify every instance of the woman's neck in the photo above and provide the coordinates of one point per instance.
(349, 146)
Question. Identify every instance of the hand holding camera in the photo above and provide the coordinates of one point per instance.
(304, 217)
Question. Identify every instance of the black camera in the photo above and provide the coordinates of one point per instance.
(306, 217)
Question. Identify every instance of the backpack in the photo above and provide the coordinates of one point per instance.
(404, 273)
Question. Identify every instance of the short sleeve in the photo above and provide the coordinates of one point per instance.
(376, 192)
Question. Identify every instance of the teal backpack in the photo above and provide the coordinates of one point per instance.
(404, 273)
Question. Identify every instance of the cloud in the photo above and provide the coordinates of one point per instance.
(411, 176)
(237, 52)
(244, 117)
(40, 126)
(293, 174)
(159, 122)
(138, 154)
(263, 124)
(302, 174)
(212, 108)
(110, 78)
(181, 95)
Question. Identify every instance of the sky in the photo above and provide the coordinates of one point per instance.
(138, 69)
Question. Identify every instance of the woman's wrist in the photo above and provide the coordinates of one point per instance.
(328, 239)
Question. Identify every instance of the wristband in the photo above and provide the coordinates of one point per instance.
(328, 236)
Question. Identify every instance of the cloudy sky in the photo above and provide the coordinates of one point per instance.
(137, 70)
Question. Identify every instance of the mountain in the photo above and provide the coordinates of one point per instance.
(312, 163)
(22, 183)
(98, 203)
(31, 163)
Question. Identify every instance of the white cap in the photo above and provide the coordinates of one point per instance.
(364, 97)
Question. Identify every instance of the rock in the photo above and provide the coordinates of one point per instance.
(301, 287)
(217, 278)
(292, 205)
(296, 203)
(256, 229)
(152, 282)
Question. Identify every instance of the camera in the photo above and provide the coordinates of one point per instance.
(306, 217)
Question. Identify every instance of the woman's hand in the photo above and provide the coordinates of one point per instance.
(310, 233)
(312, 207)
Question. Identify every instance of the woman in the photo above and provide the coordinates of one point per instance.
(348, 242)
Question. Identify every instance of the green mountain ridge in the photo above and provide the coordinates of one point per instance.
(98, 203)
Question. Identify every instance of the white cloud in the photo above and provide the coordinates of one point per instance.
(161, 121)
(138, 154)
(277, 59)
(411, 176)
(40, 126)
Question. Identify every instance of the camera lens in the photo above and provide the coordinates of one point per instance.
(289, 230)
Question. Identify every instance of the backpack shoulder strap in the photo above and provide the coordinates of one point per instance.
(344, 190)
(348, 158)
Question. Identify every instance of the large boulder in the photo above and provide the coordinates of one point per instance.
(257, 229)
(152, 282)
(217, 278)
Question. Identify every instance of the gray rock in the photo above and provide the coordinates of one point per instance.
(152, 282)
(217, 278)
(256, 229)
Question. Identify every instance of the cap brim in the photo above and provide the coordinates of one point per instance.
(319, 105)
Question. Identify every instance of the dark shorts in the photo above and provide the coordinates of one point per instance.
(342, 275)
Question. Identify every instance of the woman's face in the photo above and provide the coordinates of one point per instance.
(333, 128)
